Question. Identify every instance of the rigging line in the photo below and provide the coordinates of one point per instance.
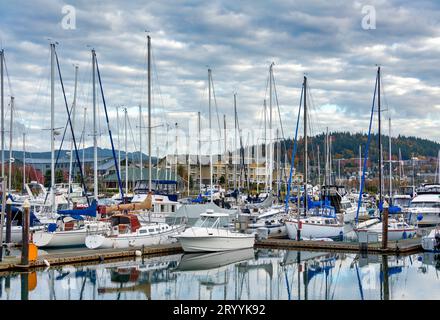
(215, 103)
(109, 131)
(69, 123)
(131, 132)
(7, 76)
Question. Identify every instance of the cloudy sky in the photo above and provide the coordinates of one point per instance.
(238, 40)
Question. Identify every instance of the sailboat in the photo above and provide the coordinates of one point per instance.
(397, 227)
(324, 224)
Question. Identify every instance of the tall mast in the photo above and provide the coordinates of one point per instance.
(249, 161)
(52, 124)
(360, 167)
(140, 142)
(226, 160)
(277, 163)
(119, 139)
(305, 147)
(235, 142)
(199, 153)
(73, 124)
(149, 113)
(95, 134)
(84, 138)
(10, 144)
(380, 133)
(189, 164)
(176, 156)
(390, 158)
(327, 180)
(319, 170)
(24, 161)
(270, 129)
(266, 164)
(2, 54)
(210, 136)
(126, 150)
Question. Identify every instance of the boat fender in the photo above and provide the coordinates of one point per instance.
(46, 263)
(101, 259)
(419, 217)
(404, 235)
(138, 253)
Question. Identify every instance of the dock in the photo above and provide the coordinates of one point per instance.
(406, 246)
(84, 255)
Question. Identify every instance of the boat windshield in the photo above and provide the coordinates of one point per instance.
(425, 205)
(403, 203)
(212, 222)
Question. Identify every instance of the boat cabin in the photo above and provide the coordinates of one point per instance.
(125, 223)
(212, 219)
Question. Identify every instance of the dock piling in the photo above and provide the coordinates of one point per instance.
(25, 234)
(8, 220)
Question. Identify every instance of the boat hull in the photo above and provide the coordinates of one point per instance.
(74, 238)
(313, 231)
(101, 241)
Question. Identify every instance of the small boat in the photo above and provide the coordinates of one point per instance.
(397, 229)
(431, 242)
(321, 223)
(127, 232)
(211, 233)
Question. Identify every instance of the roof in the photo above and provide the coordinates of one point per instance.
(136, 172)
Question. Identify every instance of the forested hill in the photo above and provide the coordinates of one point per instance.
(346, 145)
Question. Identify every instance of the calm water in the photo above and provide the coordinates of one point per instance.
(244, 274)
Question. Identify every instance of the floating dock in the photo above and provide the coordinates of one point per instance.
(406, 246)
(84, 255)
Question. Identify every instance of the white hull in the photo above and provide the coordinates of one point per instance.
(209, 240)
(100, 241)
(430, 243)
(44, 239)
(393, 233)
(313, 230)
(17, 233)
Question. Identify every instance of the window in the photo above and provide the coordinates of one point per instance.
(150, 230)
(142, 231)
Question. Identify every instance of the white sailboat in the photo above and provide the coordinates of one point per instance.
(211, 233)
(127, 232)
(431, 242)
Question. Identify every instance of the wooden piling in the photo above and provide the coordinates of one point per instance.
(25, 238)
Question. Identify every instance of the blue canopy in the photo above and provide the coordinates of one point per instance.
(90, 211)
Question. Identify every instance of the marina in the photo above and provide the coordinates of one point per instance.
(152, 156)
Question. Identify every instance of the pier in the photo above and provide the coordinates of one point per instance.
(84, 255)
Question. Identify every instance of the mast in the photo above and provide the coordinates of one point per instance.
(265, 149)
(119, 140)
(24, 161)
(380, 138)
(84, 138)
(10, 144)
(249, 162)
(140, 142)
(149, 113)
(305, 147)
(277, 164)
(189, 164)
(226, 155)
(390, 158)
(95, 135)
(176, 156)
(2, 54)
(73, 124)
(199, 153)
(126, 153)
(270, 128)
(360, 167)
(319, 170)
(235, 142)
(52, 124)
(210, 136)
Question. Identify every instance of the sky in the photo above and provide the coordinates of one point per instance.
(325, 40)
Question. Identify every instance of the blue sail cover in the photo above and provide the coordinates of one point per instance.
(33, 220)
(90, 211)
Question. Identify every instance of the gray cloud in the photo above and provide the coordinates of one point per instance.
(238, 41)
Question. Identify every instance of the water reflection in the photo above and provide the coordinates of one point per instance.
(243, 274)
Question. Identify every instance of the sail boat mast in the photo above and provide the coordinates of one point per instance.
(73, 122)
(210, 136)
(10, 144)
(95, 135)
(270, 128)
(390, 158)
(2, 53)
(380, 138)
(305, 147)
(149, 114)
(52, 124)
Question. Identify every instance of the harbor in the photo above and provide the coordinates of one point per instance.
(144, 157)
